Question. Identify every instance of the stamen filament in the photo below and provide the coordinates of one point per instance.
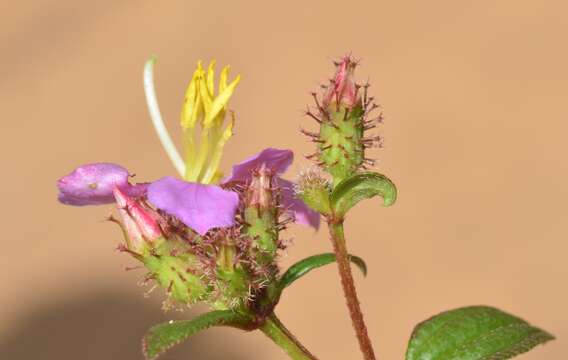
(218, 152)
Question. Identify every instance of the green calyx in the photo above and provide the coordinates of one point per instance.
(232, 285)
(261, 214)
(340, 144)
(176, 270)
(261, 227)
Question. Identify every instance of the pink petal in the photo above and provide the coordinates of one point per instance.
(201, 207)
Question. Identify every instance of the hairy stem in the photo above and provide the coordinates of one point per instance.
(342, 257)
(278, 333)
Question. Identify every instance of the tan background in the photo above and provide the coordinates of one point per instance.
(475, 95)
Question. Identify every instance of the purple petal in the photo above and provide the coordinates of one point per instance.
(92, 184)
(201, 207)
(274, 159)
(302, 213)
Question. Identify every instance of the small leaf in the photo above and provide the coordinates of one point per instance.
(163, 336)
(359, 187)
(308, 264)
(473, 333)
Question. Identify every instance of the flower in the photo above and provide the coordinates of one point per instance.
(201, 207)
(196, 202)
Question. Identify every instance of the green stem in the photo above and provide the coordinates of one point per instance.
(342, 258)
(276, 331)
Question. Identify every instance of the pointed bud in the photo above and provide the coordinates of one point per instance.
(260, 190)
(138, 221)
(261, 215)
(342, 90)
(343, 121)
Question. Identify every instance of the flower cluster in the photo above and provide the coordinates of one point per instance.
(204, 237)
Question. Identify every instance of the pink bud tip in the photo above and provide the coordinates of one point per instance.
(146, 223)
(343, 89)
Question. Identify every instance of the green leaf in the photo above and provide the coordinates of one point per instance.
(359, 187)
(308, 264)
(473, 333)
(163, 336)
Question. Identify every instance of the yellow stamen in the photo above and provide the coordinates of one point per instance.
(203, 108)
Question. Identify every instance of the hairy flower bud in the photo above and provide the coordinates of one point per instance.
(169, 260)
(343, 118)
(261, 214)
(314, 190)
(260, 193)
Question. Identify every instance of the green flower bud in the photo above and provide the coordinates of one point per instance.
(232, 285)
(314, 190)
(261, 215)
(343, 116)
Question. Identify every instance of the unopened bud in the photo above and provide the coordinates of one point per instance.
(314, 190)
(343, 116)
(138, 221)
(260, 190)
(261, 215)
(342, 90)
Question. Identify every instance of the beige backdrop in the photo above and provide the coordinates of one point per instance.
(475, 97)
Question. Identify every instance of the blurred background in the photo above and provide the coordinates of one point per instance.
(474, 94)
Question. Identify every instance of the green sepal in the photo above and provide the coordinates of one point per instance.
(162, 337)
(261, 226)
(308, 264)
(473, 333)
(359, 187)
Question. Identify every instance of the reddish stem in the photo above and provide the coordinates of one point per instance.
(342, 257)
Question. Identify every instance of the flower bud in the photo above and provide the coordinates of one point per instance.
(342, 116)
(233, 283)
(139, 222)
(314, 190)
(259, 193)
(261, 215)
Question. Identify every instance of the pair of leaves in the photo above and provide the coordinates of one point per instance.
(361, 186)
(473, 333)
(162, 337)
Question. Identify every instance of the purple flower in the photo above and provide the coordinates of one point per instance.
(93, 184)
(277, 161)
(201, 207)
